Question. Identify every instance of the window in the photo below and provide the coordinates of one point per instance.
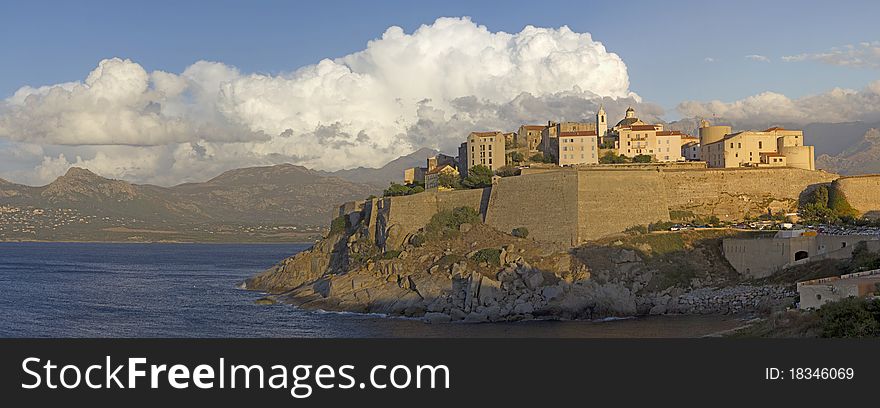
(490, 161)
(731, 145)
(760, 144)
(490, 147)
(739, 145)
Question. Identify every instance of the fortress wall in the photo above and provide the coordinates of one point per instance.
(863, 193)
(610, 201)
(544, 203)
(401, 216)
(731, 194)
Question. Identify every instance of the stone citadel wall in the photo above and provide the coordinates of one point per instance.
(571, 206)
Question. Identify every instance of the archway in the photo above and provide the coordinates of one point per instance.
(801, 255)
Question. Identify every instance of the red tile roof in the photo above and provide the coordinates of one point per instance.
(533, 127)
(485, 134)
(774, 128)
(578, 133)
(668, 133)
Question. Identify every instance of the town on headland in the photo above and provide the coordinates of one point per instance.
(584, 220)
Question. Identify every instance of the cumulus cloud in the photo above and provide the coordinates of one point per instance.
(758, 58)
(402, 92)
(708, 60)
(864, 54)
(836, 105)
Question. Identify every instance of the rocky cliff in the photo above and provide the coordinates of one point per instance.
(479, 274)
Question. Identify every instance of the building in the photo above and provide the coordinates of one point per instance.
(629, 119)
(463, 158)
(432, 177)
(601, 122)
(574, 148)
(817, 292)
(690, 148)
(774, 147)
(550, 144)
(439, 160)
(487, 149)
(632, 137)
(529, 136)
(414, 174)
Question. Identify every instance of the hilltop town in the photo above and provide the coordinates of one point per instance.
(631, 140)
(588, 220)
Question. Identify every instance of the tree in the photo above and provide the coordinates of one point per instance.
(508, 171)
(448, 180)
(537, 157)
(396, 190)
(478, 176)
(612, 158)
(516, 157)
(643, 158)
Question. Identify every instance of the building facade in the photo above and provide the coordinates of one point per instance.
(487, 149)
(432, 177)
(690, 148)
(575, 148)
(529, 136)
(774, 147)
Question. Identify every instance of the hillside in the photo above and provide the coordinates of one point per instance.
(862, 157)
(393, 171)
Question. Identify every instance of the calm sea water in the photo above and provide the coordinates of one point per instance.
(190, 290)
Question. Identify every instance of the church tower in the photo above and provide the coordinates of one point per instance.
(601, 122)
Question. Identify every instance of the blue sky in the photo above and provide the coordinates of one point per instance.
(664, 44)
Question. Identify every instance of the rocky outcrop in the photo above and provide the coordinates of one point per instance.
(457, 278)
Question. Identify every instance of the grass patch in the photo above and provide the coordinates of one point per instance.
(492, 256)
(390, 254)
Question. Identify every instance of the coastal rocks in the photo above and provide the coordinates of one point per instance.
(732, 300)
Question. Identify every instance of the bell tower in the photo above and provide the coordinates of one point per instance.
(601, 122)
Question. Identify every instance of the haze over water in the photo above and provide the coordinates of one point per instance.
(191, 290)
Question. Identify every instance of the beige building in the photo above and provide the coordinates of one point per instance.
(817, 292)
(576, 148)
(632, 137)
(529, 136)
(432, 177)
(550, 144)
(487, 149)
(690, 148)
(414, 174)
(774, 147)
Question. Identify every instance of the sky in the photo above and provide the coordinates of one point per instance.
(170, 91)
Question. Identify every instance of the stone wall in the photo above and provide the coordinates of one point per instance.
(398, 217)
(863, 193)
(732, 194)
(544, 203)
(610, 201)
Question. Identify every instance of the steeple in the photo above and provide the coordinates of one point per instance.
(601, 121)
(630, 112)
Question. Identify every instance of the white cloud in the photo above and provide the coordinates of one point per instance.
(708, 60)
(758, 58)
(836, 105)
(865, 54)
(361, 109)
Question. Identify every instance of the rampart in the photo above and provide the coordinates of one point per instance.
(574, 205)
(862, 193)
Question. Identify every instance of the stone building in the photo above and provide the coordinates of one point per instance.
(487, 149)
(529, 136)
(413, 175)
(817, 292)
(632, 137)
(574, 148)
(773, 147)
(690, 148)
(432, 177)
(549, 142)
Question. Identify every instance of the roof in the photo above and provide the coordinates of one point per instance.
(440, 169)
(627, 122)
(578, 133)
(486, 134)
(643, 127)
(774, 128)
(533, 127)
(771, 154)
(630, 109)
(669, 133)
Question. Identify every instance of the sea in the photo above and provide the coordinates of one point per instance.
(193, 290)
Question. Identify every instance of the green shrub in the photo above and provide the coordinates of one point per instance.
(520, 232)
(661, 226)
(839, 205)
(397, 190)
(447, 221)
(516, 157)
(643, 158)
(849, 317)
(478, 176)
(416, 189)
(612, 158)
(338, 225)
(448, 180)
(390, 254)
(507, 171)
(492, 256)
(636, 229)
(418, 240)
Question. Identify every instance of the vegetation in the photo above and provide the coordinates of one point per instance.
(661, 226)
(863, 259)
(636, 229)
(827, 205)
(850, 317)
(401, 190)
(492, 256)
(520, 232)
(508, 171)
(478, 176)
(418, 240)
(390, 254)
(540, 158)
(642, 158)
(516, 157)
(338, 225)
(449, 221)
(448, 180)
(608, 144)
(612, 158)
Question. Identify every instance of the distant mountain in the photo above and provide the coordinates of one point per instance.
(393, 171)
(860, 158)
(282, 194)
